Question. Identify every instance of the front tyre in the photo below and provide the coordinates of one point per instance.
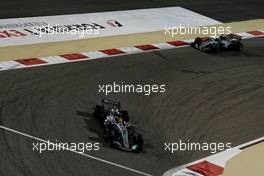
(109, 136)
(139, 141)
(240, 47)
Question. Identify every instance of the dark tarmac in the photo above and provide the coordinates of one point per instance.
(209, 98)
(224, 10)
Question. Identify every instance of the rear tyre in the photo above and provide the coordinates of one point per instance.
(139, 141)
(131, 131)
(110, 137)
(97, 110)
(98, 113)
(197, 42)
(210, 49)
(240, 47)
(217, 49)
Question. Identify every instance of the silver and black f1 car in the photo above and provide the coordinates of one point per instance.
(118, 132)
(224, 42)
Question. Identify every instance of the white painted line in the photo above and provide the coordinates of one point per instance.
(187, 172)
(245, 35)
(130, 50)
(164, 45)
(219, 159)
(54, 59)
(8, 65)
(95, 54)
(188, 40)
(74, 151)
(250, 142)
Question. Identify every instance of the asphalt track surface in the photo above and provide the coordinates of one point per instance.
(224, 10)
(209, 98)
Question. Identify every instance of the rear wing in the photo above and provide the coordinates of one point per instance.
(111, 103)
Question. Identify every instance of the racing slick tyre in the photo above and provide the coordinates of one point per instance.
(216, 49)
(198, 40)
(98, 113)
(109, 137)
(210, 49)
(193, 44)
(138, 139)
(131, 131)
(213, 49)
(239, 47)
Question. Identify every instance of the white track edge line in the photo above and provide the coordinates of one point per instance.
(74, 151)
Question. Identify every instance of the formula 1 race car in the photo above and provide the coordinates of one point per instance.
(224, 42)
(118, 132)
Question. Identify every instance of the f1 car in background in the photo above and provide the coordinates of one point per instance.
(118, 132)
(224, 42)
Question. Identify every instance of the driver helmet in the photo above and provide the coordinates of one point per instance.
(119, 120)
